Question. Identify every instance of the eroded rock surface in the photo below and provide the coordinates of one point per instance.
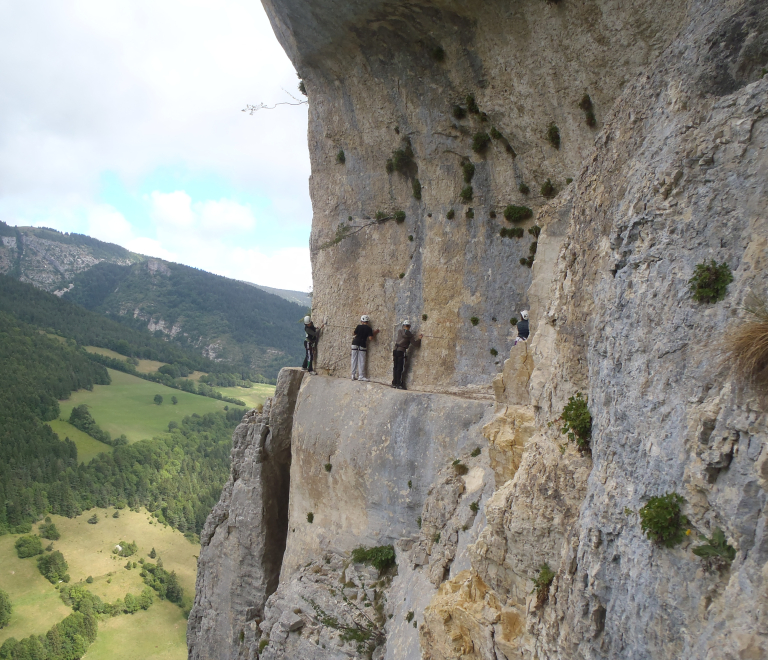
(244, 537)
(673, 175)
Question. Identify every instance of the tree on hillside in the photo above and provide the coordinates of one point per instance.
(174, 400)
(5, 608)
(158, 399)
(28, 546)
(48, 531)
(53, 567)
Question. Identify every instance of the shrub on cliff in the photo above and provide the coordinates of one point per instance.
(553, 136)
(472, 104)
(459, 112)
(577, 421)
(541, 584)
(381, 557)
(437, 54)
(524, 189)
(663, 521)
(469, 171)
(466, 194)
(402, 159)
(416, 186)
(715, 552)
(710, 281)
(517, 213)
(480, 142)
(548, 189)
(340, 157)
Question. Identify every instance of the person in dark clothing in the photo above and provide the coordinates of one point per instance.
(404, 339)
(362, 335)
(522, 328)
(311, 334)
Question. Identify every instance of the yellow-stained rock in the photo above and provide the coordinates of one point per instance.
(511, 385)
(465, 619)
(508, 434)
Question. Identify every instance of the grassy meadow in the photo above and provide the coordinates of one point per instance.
(36, 604)
(87, 447)
(158, 633)
(252, 396)
(144, 366)
(127, 406)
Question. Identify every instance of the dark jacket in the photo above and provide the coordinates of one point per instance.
(522, 329)
(311, 333)
(404, 339)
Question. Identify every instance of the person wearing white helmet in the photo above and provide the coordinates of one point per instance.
(404, 339)
(361, 336)
(522, 328)
(311, 334)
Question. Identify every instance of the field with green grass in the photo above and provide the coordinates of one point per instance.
(158, 633)
(87, 447)
(252, 396)
(36, 604)
(144, 366)
(126, 406)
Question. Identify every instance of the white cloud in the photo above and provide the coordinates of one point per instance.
(108, 224)
(225, 216)
(136, 86)
(174, 209)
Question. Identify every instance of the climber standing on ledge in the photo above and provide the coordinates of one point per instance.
(311, 333)
(362, 335)
(404, 339)
(522, 328)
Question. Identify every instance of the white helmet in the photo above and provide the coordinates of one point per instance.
(524, 314)
(365, 318)
(307, 320)
(407, 323)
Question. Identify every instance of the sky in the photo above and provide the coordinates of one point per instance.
(121, 119)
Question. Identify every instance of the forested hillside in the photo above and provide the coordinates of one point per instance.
(178, 475)
(46, 311)
(231, 322)
(239, 325)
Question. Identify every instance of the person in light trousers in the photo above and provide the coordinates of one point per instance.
(362, 335)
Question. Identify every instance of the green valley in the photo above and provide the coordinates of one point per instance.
(118, 434)
(87, 549)
(127, 406)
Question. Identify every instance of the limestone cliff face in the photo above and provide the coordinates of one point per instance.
(673, 175)
(375, 86)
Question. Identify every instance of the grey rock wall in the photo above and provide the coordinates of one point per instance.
(244, 537)
(374, 85)
(674, 176)
(376, 440)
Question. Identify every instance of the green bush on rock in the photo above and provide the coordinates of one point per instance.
(381, 557)
(577, 421)
(710, 281)
(663, 521)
